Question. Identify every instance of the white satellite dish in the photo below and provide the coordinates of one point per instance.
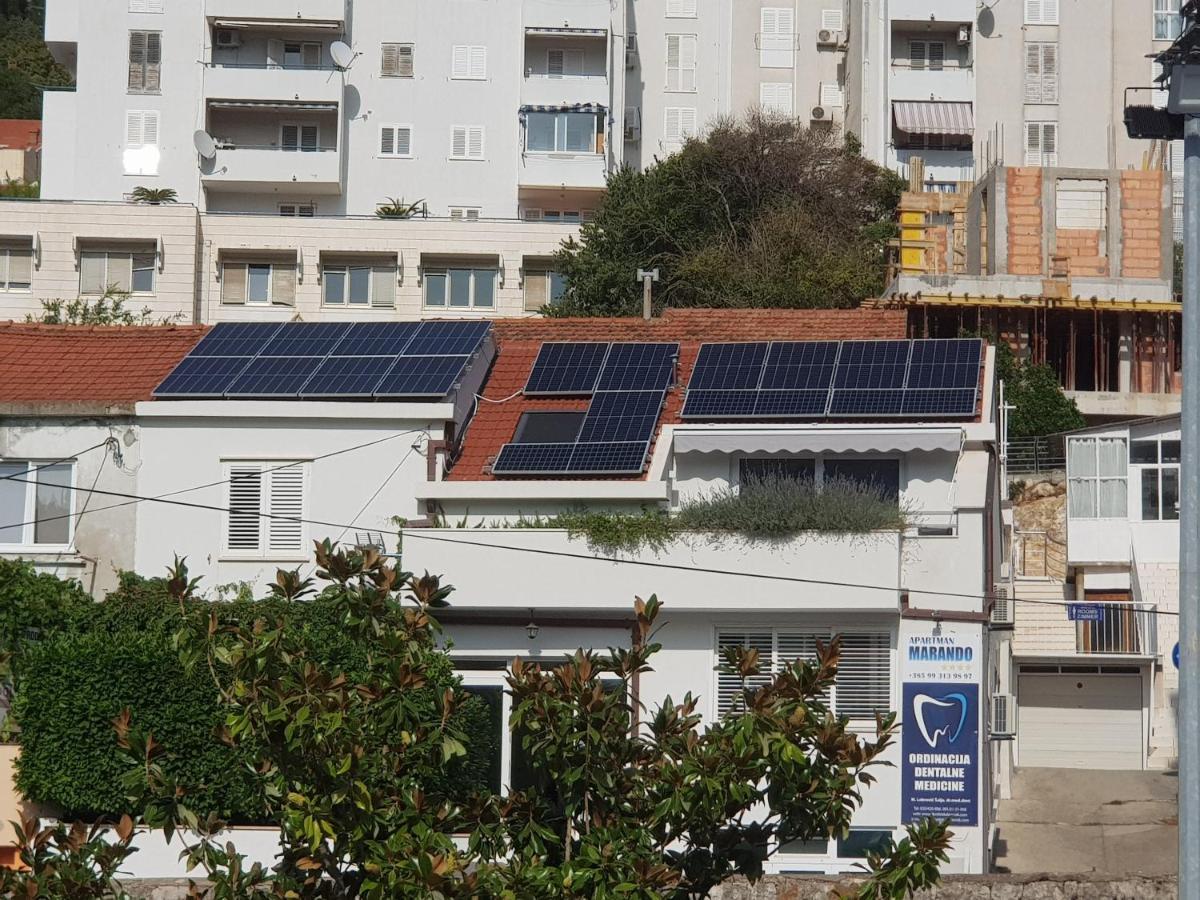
(342, 54)
(204, 144)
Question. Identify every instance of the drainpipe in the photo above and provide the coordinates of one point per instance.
(647, 277)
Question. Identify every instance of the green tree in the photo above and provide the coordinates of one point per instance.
(26, 65)
(1039, 405)
(760, 212)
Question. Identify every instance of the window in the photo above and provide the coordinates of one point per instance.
(773, 468)
(145, 6)
(263, 505)
(560, 132)
(301, 55)
(16, 268)
(466, 142)
(859, 842)
(557, 215)
(1041, 12)
(460, 288)
(564, 62)
(680, 124)
(395, 141)
(1041, 72)
(1167, 21)
(358, 284)
(543, 288)
(298, 210)
(880, 474)
(927, 55)
(1041, 143)
(396, 60)
(777, 37)
(36, 503)
(831, 94)
(145, 62)
(131, 272)
(141, 142)
(776, 97)
(681, 62)
(548, 427)
(469, 62)
(864, 680)
(297, 136)
(465, 213)
(1097, 470)
(259, 282)
(681, 9)
(1157, 462)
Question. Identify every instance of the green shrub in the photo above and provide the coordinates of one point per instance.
(35, 604)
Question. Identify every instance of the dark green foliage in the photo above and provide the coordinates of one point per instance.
(1040, 406)
(34, 604)
(107, 309)
(26, 65)
(762, 212)
(18, 190)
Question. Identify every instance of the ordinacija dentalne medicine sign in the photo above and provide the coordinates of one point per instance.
(940, 726)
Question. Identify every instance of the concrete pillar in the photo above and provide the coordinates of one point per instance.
(1125, 353)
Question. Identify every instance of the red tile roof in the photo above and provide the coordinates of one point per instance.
(88, 363)
(20, 134)
(518, 342)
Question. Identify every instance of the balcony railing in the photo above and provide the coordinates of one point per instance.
(1118, 629)
(242, 167)
(541, 89)
(281, 84)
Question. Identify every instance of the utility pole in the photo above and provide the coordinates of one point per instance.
(647, 277)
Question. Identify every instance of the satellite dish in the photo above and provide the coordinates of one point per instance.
(204, 144)
(342, 54)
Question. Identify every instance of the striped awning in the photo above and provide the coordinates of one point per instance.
(933, 117)
(566, 30)
(564, 107)
(271, 104)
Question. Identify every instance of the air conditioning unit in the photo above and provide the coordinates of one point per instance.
(228, 39)
(1004, 715)
(827, 37)
(820, 114)
(631, 50)
(633, 124)
(964, 34)
(1002, 606)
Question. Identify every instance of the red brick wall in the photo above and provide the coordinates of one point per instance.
(1081, 246)
(1024, 202)
(1141, 223)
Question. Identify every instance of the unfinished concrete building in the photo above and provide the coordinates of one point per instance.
(1072, 267)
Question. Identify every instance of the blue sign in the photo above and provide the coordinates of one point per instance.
(939, 774)
(1085, 612)
(1175, 655)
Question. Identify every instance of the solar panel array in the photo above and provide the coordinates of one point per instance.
(628, 383)
(325, 361)
(924, 378)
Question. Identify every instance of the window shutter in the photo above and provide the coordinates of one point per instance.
(460, 64)
(233, 282)
(1033, 73)
(536, 290)
(404, 60)
(916, 54)
(791, 646)
(1050, 73)
(387, 141)
(283, 284)
(150, 128)
(937, 55)
(244, 526)
(133, 128)
(687, 62)
(674, 77)
(308, 137)
(785, 23)
(776, 97)
(1049, 144)
(389, 59)
(287, 504)
(681, 9)
(479, 62)
(863, 685)
(831, 19)
(729, 686)
(383, 286)
(289, 137)
(310, 55)
(554, 62)
(475, 142)
(671, 128)
(1033, 12)
(1033, 143)
(20, 267)
(1049, 12)
(91, 272)
(153, 61)
(120, 271)
(403, 140)
(137, 60)
(458, 142)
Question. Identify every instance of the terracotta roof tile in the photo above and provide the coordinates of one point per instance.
(88, 363)
(21, 134)
(519, 340)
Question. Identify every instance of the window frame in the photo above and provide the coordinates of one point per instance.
(471, 53)
(271, 265)
(300, 126)
(396, 129)
(684, 134)
(774, 107)
(1095, 479)
(467, 130)
(146, 65)
(268, 469)
(445, 272)
(1158, 467)
(399, 46)
(562, 115)
(108, 283)
(925, 62)
(29, 482)
(1044, 158)
(345, 268)
(298, 207)
(6, 269)
(1042, 89)
(1165, 15)
(681, 9)
(547, 275)
(684, 73)
(1041, 12)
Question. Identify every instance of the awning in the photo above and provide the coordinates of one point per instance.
(566, 31)
(818, 440)
(309, 24)
(271, 104)
(564, 107)
(933, 117)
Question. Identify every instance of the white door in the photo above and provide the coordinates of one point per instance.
(1078, 721)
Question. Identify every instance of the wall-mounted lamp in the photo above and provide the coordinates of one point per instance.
(532, 629)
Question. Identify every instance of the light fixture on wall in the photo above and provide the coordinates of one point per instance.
(532, 629)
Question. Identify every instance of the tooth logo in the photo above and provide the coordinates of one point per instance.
(924, 705)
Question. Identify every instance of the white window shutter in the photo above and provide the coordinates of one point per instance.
(458, 142)
(831, 94)
(403, 140)
(730, 686)
(461, 62)
(1049, 143)
(150, 128)
(863, 686)
(1049, 12)
(785, 23)
(286, 507)
(672, 129)
(937, 55)
(244, 525)
(387, 141)
(479, 62)
(917, 54)
(768, 21)
(1033, 11)
(681, 8)
(1033, 73)
(405, 60)
(133, 128)
(1050, 72)
(776, 97)
(554, 62)
(687, 121)
(1033, 143)
(475, 143)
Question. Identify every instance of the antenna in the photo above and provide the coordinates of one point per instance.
(342, 55)
(204, 144)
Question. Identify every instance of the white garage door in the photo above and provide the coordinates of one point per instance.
(1079, 721)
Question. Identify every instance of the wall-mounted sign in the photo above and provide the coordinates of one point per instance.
(1085, 612)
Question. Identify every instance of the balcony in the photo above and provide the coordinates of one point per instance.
(491, 570)
(274, 84)
(289, 11)
(563, 170)
(1110, 629)
(251, 168)
(954, 83)
(943, 168)
(568, 15)
(926, 11)
(564, 90)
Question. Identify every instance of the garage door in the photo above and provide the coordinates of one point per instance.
(1080, 721)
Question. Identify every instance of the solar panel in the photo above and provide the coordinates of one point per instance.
(347, 377)
(728, 367)
(871, 364)
(447, 338)
(305, 339)
(376, 339)
(236, 339)
(421, 376)
(530, 459)
(609, 458)
(566, 368)
(866, 403)
(621, 416)
(944, 364)
(274, 376)
(939, 402)
(202, 376)
(807, 365)
(782, 404)
(638, 367)
(719, 404)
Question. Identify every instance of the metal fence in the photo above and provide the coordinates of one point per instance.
(1034, 455)
(1120, 628)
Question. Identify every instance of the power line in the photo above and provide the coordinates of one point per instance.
(16, 476)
